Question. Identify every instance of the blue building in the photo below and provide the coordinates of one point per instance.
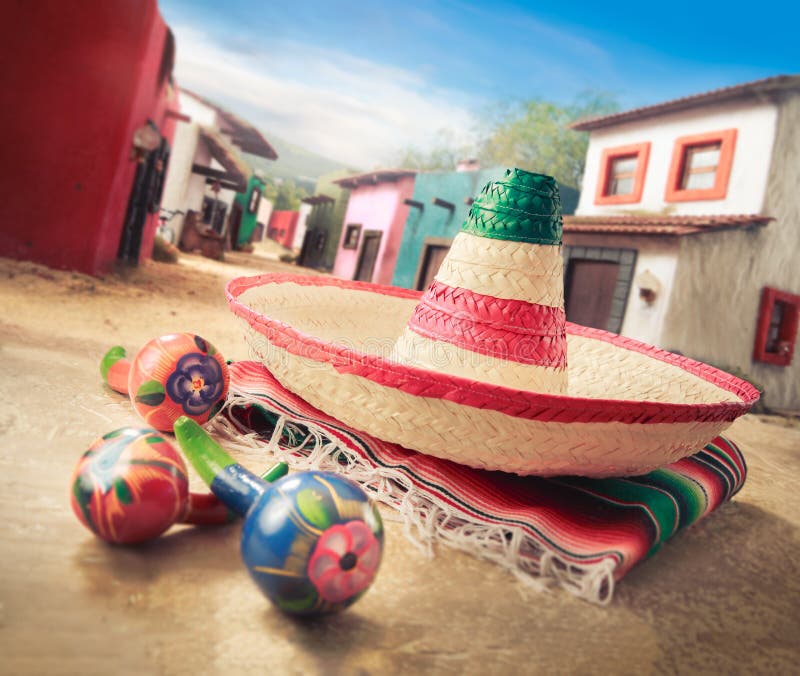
(437, 209)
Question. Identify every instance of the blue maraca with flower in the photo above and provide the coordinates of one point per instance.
(311, 541)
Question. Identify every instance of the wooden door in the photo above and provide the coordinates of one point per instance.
(145, 199)
(370, 244)
(433, 255)
(234, 225)
(589, 291)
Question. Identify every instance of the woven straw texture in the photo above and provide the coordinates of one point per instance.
(630, 407)
(457, 361)
(523, 207)
(501, 269)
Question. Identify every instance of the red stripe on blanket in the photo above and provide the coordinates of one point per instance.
(558, 513)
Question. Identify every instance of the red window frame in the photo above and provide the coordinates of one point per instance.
(642, 153)
(726, 139)
(787, 330)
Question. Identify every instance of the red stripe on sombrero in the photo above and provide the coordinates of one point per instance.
(540, 319)
(555, 513)
(513, 330)
(517, 403)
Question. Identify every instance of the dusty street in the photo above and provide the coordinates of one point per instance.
(723, 597)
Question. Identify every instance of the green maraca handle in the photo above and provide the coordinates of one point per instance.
(236, 487)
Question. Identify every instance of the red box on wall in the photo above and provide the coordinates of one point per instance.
(776, 332)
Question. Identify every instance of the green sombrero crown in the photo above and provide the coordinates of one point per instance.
(495, 310)
(522, 206)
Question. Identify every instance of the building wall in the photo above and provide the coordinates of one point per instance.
(433, 221)
(300, 231)
(282, 225)
(265, 208)
(376, 207)
(329, 217)
(249, 220)
(78, 96)
(642, 321)
(437, 222)
(755, 123)
(183, 189)
(713, 311)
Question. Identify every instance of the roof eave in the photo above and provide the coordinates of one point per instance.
(756, 89)
(374, 177)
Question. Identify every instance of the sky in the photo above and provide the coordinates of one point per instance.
(359, 81)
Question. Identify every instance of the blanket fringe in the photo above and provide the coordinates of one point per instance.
(306, 446)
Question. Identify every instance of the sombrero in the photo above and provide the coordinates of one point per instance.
(483, 368)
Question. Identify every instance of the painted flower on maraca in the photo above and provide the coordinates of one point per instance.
(175, 375)
(313, 543)
(130, 486)
(196, 383)
(344, 561)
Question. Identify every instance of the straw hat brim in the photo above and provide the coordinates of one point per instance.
(630, 407)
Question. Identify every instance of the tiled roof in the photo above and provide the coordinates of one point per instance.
(374, 177)
(317, 199)
(661, 225)
(243, 134)
(222, 152)
(754, 89)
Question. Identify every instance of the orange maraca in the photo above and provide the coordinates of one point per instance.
(174, 375)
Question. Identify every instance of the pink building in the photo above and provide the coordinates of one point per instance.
(373, 224)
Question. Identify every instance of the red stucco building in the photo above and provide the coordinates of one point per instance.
(282, 226)
(87, 121)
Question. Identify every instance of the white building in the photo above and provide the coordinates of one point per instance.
(687, 233)
(205, 168)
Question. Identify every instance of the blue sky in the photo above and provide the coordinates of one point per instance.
(357, 81)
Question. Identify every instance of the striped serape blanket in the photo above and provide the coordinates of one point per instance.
(583, 534)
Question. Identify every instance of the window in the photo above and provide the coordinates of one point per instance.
(622, 172)
(213, 213)
(776, 333)
(255, 197)
(701, 167)
(351, 236)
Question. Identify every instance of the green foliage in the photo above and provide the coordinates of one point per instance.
(532, 135)
(442, 156)
(285, 195)
(535, 135)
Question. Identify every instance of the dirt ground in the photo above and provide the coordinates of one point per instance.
(723, 597)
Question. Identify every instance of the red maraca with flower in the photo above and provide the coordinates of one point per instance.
(174, 375)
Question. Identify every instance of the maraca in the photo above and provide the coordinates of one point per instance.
(131, 486)
(311, 541)
(174, 375)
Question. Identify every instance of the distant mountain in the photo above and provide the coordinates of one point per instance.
(294, 162)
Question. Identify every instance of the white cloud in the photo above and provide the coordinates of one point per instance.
(328, 101)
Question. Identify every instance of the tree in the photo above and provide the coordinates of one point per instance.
(285, 196)
(535, 135)
(444, 154)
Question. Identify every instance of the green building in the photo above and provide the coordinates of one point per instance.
(324, 223)
(244, 215)
(438, 207)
